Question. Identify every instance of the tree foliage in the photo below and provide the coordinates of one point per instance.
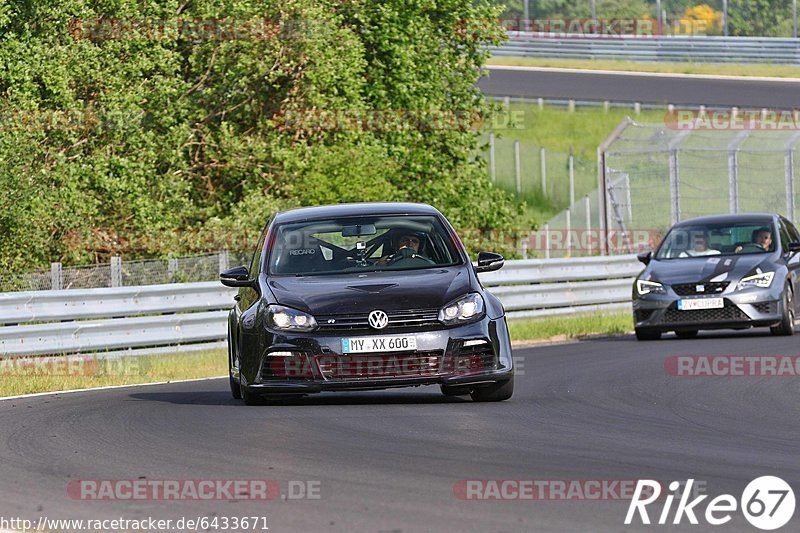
(116, 138)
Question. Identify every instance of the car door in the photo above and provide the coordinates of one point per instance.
(788, 233)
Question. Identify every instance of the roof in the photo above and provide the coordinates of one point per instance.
(728, 219)
(348, 210)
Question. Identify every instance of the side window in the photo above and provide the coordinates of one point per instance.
(255, 263)
(794, 235)
(785, 238)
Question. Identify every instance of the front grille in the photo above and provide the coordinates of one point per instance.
(729, 313)
(397, 319)
(473, 358)
(643, 314)
(767, 307)
(378, 366)
(690, 289)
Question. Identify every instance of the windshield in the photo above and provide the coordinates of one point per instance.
(718, 239)
(359, 244)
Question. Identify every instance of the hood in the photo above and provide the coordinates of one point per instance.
(364, 292)
(705, 269)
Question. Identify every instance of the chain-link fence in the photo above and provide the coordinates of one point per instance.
(657, 174)
(121, 273)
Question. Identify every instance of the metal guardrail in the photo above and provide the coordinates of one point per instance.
(105, 319)
(658, 49)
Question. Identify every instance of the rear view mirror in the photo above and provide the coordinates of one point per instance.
(489, 262)
(358, 231)
(793, 247)
(645, 257)
(236, 277)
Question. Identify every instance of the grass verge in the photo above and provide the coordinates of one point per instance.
(32, 375)
(570, 327)
(713, 69)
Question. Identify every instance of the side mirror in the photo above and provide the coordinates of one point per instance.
(236, 277)
(644, 257)
(793, 247)
(489, 262)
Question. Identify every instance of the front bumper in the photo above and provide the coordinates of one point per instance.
(742, 309)
(472, 354)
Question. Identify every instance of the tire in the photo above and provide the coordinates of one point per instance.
(786, 325)
(647, 334)
(686, 334)
(496, 392)
(455, 390)
(249, 397)
(235, 390)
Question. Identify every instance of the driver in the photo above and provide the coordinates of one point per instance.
(409, 241)
(762, 240)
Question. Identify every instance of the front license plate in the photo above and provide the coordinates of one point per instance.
(700, 303)
(379, 344)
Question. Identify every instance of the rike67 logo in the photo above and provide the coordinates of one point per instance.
(767, 503)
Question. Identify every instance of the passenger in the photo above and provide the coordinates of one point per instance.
(699, 246)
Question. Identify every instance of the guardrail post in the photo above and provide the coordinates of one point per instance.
(172, 268)
(542, 158)
(606, 106)
(116, 271)
(56, 278)
(223, 261)
(517, 168)
(492, 166)
(637, 108)
(571, 105)
(540, 103)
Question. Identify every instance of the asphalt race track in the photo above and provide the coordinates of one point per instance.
(640, 87)
(388, 461)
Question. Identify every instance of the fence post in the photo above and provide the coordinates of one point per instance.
(571, 177)
(674, 186)
(116, 271)
(517, 168)
(542, 158)
(547, 241)
(223, 261)
(492, 166)
(789, 173)
(733, 171)
(56, 278)
(588, 238)
(628, 197)
(569, 231)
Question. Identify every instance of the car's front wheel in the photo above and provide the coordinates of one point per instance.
(496, 392)
(647, 334)
(786, 325)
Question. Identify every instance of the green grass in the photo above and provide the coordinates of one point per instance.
(570, 327)
(556, 129)
(88, 372)
(768, 70)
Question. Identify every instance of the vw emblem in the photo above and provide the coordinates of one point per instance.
(378, 319)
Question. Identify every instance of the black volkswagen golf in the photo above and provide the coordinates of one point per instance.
(718, 272)
(365, 296)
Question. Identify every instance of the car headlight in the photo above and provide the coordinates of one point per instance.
(288, 319)
(649, 287)
(466, 309)
(762, 281)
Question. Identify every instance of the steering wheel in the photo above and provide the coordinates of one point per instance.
(750, 247)
(406, 254)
